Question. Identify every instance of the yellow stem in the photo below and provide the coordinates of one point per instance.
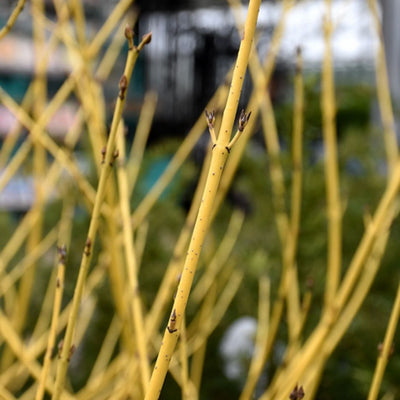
(20, 350)
(383, 93)
(331, 168)
(64, 241)
(260, 86)
(15, 133)
(140, 139)
(13, 17)
(386, 349)
(218, 159)
(370, 235)
(196, 368)
(104, 32)
(36, 348)
(38, 168)
(183, 356)
(297, 140)
(53, 327)
(131, 265)
(79, 15)
(92, 231)
(23, 266)
(258, 360)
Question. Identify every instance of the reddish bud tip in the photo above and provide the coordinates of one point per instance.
(146, 39)
(123, 84)
(129, 32)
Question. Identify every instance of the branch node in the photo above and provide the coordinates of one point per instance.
(71, 352)
(123, 85)
(103, 154)
(297, 393)
(146, 39)
(243, 120)
(210, 117)
(114, 157)
(62, 253)
(88, 247)
(129, 35)
(171, 327)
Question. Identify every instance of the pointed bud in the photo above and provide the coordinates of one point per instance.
(210, 116)
(146, 39)
(243, 119)
(129, 32)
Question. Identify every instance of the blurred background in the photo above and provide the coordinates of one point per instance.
(193, 46)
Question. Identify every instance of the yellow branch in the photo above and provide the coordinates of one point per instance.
(383, 93)
(54, 322)
(258, 360)
(13, 17)
(386, 349)
(131, 265)
(92, 231)
(218, 159)
(38, 170)
(140, 139)
(64, 241)
(331, 167)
